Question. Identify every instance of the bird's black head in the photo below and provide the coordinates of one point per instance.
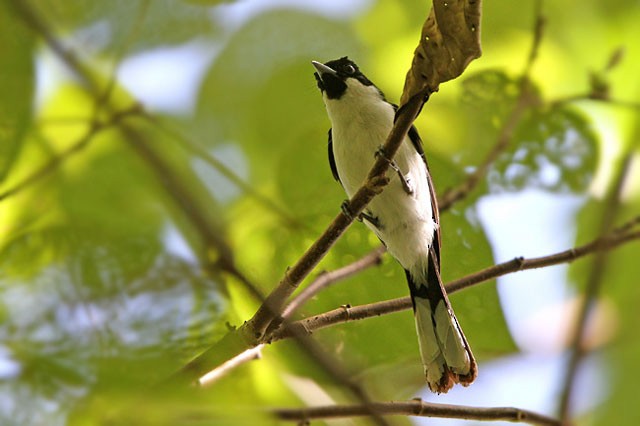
(332, 76)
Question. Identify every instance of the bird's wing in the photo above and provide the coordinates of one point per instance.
(414, 137)
(332, 160)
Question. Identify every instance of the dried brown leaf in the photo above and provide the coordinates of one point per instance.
(450, 40)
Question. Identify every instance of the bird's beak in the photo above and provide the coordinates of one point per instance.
(323, 69)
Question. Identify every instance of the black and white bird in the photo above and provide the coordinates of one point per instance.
(404, 216)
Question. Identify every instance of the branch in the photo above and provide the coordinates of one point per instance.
(616, 238)
(327, 278)
(418, 408)
(246, 356)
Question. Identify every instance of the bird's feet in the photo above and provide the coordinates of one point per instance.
(346, 210)
(366, 215)
(404, 180)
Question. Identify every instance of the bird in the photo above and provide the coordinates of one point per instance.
(404, 216)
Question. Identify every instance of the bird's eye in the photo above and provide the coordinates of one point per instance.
(349, 69)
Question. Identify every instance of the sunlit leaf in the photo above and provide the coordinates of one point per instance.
(554, 149)
(129, 25)
(260, 91)
(16, 85)
(486, 100)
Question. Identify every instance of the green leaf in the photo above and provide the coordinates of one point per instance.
(17, 81)
(113, 25)
(553, 149)
(260, 91)
(486, 101)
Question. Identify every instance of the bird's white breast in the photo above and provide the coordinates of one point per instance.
(361, 121)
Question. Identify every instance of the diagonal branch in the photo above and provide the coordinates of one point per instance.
(417, 408)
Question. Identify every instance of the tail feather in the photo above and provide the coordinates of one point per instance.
(445, 352)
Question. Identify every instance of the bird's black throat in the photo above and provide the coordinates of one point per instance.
(334, 84)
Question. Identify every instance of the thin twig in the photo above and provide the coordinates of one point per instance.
(525, 100)
(538, 32)
(218, 372)
(619, 103)
(327, 278)
(417, 408)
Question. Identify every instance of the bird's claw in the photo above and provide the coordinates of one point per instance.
(404, 180)
(346, 210)
(370, 218)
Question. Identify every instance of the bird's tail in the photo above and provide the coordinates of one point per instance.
(445, 353)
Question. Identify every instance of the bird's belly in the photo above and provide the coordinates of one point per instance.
(404, 221)
(354, 154)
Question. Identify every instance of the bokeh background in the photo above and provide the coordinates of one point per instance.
(156, 156)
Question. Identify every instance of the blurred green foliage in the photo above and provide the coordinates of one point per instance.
(109, 282)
